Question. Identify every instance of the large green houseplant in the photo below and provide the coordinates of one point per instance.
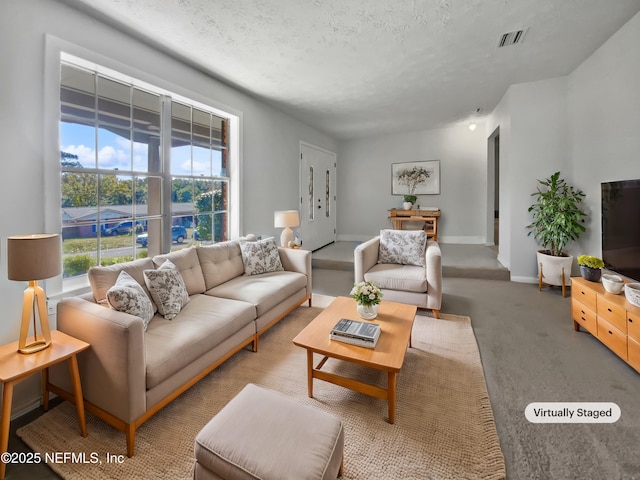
(557, 220)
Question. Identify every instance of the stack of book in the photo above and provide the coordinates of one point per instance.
(363, 334)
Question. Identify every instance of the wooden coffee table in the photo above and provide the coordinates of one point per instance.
(395, 320)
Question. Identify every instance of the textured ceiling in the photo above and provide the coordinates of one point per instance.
(354, 68)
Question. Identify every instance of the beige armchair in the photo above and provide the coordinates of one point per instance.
(412, 284)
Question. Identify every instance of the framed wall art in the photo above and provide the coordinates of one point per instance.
(415, 178)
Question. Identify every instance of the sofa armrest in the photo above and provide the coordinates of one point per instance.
(365, 256)
(297, 260)
(433, 257)
(112, 370)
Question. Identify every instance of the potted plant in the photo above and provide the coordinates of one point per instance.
(557, 220)
(367, 297)
(590, 267)
(409, 201)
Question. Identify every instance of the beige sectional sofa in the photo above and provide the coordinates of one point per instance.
(130, 372)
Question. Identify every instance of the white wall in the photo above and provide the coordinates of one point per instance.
(585, 125)
(270, 139)
(364, 182)
(604, 112)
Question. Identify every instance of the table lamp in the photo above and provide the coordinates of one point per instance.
(286, 219)
(32, 258)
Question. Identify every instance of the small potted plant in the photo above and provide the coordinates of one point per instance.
(409, 201)
(367, 297)
(590, 267)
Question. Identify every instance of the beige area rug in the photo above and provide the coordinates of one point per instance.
(444, 423)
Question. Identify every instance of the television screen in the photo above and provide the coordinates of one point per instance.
(621, 227)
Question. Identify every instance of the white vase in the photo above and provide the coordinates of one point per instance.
(368, 312)
(407, 205)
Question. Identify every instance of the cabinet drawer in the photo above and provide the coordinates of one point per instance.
(634, 354)
(612, 313)
(633, 326)
(612, 337)
(584, 295)
(584, 316)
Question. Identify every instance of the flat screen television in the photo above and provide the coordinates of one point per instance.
(621, 227)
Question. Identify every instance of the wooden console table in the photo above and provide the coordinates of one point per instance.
(428, 217)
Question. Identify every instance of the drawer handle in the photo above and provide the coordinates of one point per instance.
(610, 332)
(608, 309)
(583, 312)
(630, 320)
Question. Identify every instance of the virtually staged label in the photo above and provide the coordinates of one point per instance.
(572, 412)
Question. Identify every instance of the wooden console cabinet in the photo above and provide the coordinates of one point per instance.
(428, 217)
(608, 317)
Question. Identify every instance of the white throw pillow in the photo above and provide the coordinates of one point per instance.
(261, 256)
(167, 289)
(404, 247)
(128, 296)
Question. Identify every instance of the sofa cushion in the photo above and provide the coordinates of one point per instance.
(261, 256)
(220, 262)
(188, 264)
(201, 325)
(167, 289)
(128, 296)
(264, 291)
(101, 279)
(389, 276)
(404, 247)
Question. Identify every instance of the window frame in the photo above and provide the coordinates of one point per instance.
(58, 51)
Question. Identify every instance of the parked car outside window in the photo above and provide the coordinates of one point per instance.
(178, 235)
(123, 228)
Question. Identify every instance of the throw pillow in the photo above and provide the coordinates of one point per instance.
(261, 256)
(128, 296)
(404, 247)
(167, 289)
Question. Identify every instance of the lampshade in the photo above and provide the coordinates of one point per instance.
(286, 218)
(34, 257)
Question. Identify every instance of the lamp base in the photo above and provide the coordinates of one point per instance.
(34, 347)
(32, 305)
(286, 237)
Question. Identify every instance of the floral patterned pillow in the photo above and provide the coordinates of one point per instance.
(404, 247)
(167, 289)
(261, 256)
(127, 296)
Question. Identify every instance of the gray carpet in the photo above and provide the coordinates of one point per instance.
(531, 353)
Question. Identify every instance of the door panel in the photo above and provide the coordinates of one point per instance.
(317, 197)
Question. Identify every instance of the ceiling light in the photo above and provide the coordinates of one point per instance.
(472, 126)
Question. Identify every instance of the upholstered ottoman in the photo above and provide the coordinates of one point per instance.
(264, 435)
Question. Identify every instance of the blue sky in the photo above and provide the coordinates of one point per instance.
(114, 151)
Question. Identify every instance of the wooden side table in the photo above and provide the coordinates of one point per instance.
(428, 217)
(15, 367)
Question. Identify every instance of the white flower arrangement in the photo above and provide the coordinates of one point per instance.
(366, 293)
(413, 177)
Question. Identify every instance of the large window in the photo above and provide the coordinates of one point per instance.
(142, 172)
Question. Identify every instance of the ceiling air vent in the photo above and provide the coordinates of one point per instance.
(511, 38)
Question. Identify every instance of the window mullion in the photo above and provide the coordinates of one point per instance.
(165, 158)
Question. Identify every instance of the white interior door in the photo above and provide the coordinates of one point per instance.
(317, 197)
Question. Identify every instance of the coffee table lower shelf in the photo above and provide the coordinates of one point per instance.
(388, 394)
